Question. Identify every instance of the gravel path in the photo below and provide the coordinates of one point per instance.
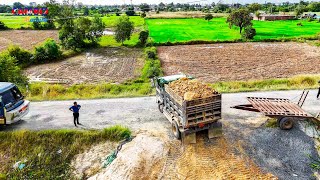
(282, 153)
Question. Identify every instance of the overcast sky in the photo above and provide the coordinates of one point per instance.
(111, 2)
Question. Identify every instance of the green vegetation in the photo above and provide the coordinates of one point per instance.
(111, 21)
(48, 51)
(184, 30)
(48, 154)
(42, 91)
(124, 29)
(296, 82)
(16, 22)
(10, 71)
(111, 42)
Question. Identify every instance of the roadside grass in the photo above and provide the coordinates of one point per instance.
(43, 91)
(293, 83)
(142, 87)
(47, 154)
(186, 30)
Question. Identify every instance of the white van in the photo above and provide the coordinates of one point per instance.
(13, 106)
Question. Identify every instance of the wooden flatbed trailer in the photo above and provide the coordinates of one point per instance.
(188, 117)
(285, 111)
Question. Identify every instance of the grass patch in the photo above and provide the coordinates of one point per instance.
(16, 22)
(296, 82)
(271, 123)
(111, 21)
(109, 41)
(217, 30)
(48, 154)
(42, 91)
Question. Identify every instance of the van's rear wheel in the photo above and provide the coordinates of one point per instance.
(175, 129)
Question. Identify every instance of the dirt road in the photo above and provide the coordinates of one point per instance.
(282, 153)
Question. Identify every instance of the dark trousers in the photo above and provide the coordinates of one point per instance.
(76, 118)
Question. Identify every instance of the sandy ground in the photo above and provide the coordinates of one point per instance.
(283, 154)
(240, 61)
(26, 39)
(93, 66)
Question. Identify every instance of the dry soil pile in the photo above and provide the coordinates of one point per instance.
(240, 61)
(191, 89)
(142, 158)
(89, 163)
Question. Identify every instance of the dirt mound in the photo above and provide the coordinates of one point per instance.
(210, 160)
(191, 89)
(142, 158)
(89, 162)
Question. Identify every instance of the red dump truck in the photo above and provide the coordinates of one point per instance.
(188, 117)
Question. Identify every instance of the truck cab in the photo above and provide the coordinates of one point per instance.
(13, 106)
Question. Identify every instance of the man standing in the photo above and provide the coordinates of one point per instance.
(75, 109)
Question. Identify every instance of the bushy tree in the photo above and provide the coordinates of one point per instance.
(22, 56)
(248, 33)
(36, 24)
(254, 7)
(300, 9)
(208, 17)
(143, 37)
(50, 50)
(143, 15)
(10, 71)
(76, 33)
(124, 29)
(130, 11)
(240, 18)
(145, 7)
(85, 11)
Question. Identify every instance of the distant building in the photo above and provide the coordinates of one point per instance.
(273, 17)
(33, 4)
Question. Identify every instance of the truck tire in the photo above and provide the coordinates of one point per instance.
(160, 107)
(175, 129)
(286, 123)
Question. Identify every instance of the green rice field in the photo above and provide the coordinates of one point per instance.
(15, 22)
(182, 30)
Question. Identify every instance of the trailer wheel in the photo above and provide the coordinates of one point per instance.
(286, 123)
(175, 129)
(160, 107)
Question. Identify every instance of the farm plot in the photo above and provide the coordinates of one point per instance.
(26, 39)
(184, 30)
(241, 61)
(95, 66)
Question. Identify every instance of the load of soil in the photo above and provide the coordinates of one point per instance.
(191, 89)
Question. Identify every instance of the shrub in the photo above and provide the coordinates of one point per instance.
(143, 15)
(23, 57)
(143, 37)
(248, 33)
(208, 17)
(117, 14)
(3, 26)
(37, 24)
(299, 24)
(48, 51)
(151, 53)
(10, 71)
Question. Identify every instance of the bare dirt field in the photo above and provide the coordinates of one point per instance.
(26, 39)
(240, 61)
(93, 66)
